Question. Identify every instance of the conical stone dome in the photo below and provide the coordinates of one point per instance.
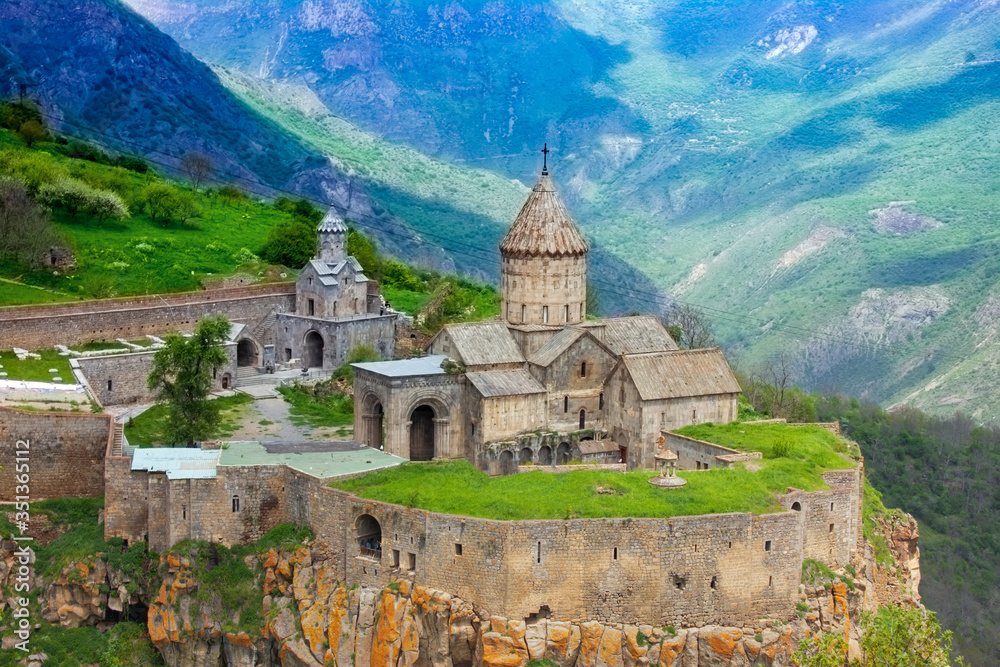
(543, 269)
(543, 227)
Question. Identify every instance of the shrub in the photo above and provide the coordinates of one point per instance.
(132, 164)
(76, 196)
(299, 208)
(26, 232)
(290, 244)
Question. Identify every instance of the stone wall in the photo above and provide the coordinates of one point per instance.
(697, 454)
(544, 290)
(570, 390)
(36, 327)
(339, 336)
(120, 379)
(66, 452)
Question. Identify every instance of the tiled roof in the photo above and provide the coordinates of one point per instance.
(633, 335)
(681, 373)
(555, 347)
(543, 227)
(332, 222)
(484, 343)
(505, 382)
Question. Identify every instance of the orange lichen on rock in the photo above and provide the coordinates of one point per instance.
(609, 653)
(385, 643)
(240, 639)
(670, 651)
(161, 622)
(502, 651)
(590, 641)
(722, 643)
(338, 610)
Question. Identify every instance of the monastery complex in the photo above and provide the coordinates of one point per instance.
(541, 387)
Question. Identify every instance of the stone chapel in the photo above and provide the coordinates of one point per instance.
(543, 384)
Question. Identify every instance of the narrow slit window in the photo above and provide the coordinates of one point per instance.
(565, 404)
(770, 581)
(236, 503)
(524, 314)
(831, 527)
(538, 554)
(109, 385)
(566, 314)
(600, 402)
(395, 557)
(312, 307)
(614, 554)
(184, 513)
(767, 545)
(714, 584)
(583, 369)
(545, 314)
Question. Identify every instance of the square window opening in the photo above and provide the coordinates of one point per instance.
(458, 549)
(767, 545)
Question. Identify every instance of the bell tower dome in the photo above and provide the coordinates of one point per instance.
(543, 269)
(331, 238)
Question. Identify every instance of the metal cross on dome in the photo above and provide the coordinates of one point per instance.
(545, 159)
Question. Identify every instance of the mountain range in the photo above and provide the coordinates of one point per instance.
(818, 177)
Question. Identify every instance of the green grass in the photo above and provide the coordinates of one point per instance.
(98, 345)
(149, 428)
(405, 301)
(36, 369)
(14, 293)
(138, 256)
(812, 445)
(455, 487)
(317, 405)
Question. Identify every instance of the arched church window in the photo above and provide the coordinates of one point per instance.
(583, 369)
(524, 314)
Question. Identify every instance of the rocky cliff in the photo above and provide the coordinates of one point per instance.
(308, 617)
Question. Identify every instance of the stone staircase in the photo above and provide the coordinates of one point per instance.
(118, 439)
(263, 328)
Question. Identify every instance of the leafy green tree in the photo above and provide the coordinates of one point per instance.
(32, 132)
(67, 193)
(182, 379)
(299, 208)
(290, 244)
(363, 248)
(26, 232)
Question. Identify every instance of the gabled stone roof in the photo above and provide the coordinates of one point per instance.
(561, 342)
(632, 335)
(543, 227)
(682, 373)
(332, 222)
(483, 344)
(513, 382)
(327, 273)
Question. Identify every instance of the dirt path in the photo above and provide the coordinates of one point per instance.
(269, 419)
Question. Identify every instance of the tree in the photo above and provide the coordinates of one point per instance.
(689, 327)
(26, 232)
(159, 200)
(32, 132)
(182, 379)
(290, 244)
(198, 167)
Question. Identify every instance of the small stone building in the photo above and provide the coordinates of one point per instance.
(543, 384)
(337, 308)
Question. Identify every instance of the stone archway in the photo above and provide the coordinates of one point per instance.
(368, 533)
(312, 356)
(525, 456)
(246, 353)
(422, 445)
(562, 453)
(545, 455)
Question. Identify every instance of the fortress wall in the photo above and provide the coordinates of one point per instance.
(39, 327)
(66, 452)
(127, 375)
(577, 575)
(126, 500)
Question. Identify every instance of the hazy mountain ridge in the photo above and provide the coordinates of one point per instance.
(707, 144)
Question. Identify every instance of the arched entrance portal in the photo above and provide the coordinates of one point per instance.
(422, 433)
(313, 357)
(246, 353)
(369, 536)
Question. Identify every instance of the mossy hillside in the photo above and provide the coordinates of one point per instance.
(456, 487)
(137, 255)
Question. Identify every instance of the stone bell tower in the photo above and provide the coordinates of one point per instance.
(331, 238)
(543, 270)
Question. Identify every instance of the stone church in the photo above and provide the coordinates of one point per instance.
(543, 384)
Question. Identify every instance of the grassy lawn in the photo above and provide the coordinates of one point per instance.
(13, 293)
(404, 300)
(150, 428)
(455, 487)
(808, 444)
(317, 405)
(36, 370)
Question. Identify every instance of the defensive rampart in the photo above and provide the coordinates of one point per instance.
(35, 327)
(65, 452)
(722, 569)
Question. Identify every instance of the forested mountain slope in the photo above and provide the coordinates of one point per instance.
(820, 176)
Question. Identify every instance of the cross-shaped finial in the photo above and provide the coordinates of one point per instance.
(545, 159)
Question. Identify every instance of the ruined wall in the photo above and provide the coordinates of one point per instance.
(339, 336)
(66, 453)
(695, 454)
(120, 379)
(37, 327)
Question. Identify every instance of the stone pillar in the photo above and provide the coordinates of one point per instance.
(442, 438)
